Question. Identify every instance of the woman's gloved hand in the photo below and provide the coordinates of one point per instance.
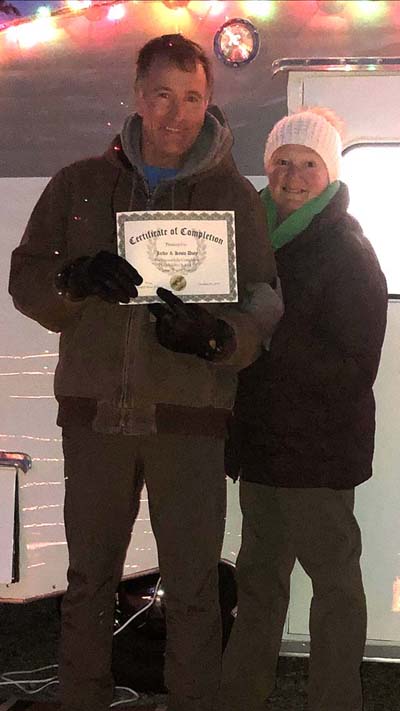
(106, 275)
(190, 328)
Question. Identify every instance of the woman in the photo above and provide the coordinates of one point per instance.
(303, 431)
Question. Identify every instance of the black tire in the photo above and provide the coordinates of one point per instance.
(138, 651)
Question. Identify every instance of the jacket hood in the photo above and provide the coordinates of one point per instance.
(211, 147)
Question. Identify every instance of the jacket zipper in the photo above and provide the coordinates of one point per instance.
(125, 371)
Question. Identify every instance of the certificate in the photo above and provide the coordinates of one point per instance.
(191, 253)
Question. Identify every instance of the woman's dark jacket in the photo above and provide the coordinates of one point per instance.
(305, 410)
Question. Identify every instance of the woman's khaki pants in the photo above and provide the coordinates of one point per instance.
(316, 526)
(186, 489)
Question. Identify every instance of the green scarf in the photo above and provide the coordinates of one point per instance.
(299, 220)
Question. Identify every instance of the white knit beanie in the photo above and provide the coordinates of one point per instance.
(310, 129)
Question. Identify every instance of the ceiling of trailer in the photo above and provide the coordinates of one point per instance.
(65, 97)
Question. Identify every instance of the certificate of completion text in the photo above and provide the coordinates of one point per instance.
(191, 253)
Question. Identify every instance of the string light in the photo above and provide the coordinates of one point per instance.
(176, 19)
(368, 9)
(43, 11)
(27, 35)
(116, 12)
(259, 8)
(175, 4)
(216, 7)
(78, 5)
(235, 46)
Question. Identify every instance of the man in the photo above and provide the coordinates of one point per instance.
(304, 427)
(142, 393)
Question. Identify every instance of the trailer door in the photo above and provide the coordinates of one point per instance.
(369, 102)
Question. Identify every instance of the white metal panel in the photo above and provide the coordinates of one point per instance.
(27, 413)
(28, 410)
(7, 520)
(369, 104)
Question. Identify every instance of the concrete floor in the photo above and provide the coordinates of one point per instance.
(29, 637)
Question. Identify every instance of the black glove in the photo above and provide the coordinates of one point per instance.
(106, 275)
(189, 328)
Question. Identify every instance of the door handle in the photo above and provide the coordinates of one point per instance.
(18, 460)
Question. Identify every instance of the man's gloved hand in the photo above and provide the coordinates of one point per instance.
(190, 328)
(106, 275)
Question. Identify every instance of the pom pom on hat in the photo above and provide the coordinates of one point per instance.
(312, 129)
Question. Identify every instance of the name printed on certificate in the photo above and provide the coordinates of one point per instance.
(191, 253)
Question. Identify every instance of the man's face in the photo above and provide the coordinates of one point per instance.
(296, 175)
(172, 104)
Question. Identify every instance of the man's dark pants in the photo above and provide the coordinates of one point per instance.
(186, 489)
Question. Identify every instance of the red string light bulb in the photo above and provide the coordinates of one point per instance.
(175, 4)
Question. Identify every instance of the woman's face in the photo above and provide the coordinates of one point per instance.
(296, 175)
